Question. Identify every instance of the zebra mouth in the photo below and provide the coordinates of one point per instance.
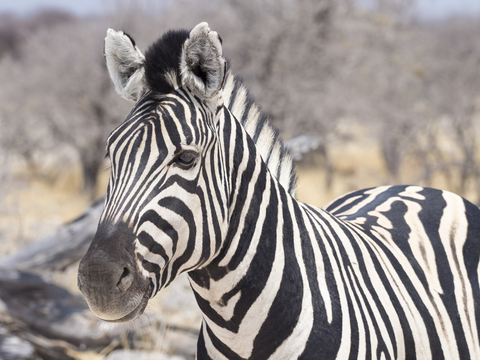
(138, 311)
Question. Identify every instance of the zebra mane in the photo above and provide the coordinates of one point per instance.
(269, 144)
(163, 75)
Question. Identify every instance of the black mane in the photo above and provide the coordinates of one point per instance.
(163, 57)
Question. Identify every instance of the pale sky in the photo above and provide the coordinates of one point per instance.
(25, 7)
(430, 9)
(434, 9)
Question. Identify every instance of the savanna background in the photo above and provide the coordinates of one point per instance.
(375, 93)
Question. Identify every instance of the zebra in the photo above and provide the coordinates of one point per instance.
(202, 186)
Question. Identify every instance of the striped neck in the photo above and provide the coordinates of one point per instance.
(235, 288)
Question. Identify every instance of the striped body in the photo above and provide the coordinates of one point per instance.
(201, 184)
(413, 256)
(385, 273)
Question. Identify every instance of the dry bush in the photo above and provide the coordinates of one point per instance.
(315, 66)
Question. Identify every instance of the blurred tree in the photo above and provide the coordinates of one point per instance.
(454, 90)
(14, 30)
(57, 96)
(315, 66)
(10, 36)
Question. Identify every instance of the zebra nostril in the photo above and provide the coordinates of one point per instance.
(126, 280)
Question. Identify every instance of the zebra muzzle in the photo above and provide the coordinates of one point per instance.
(109, 279)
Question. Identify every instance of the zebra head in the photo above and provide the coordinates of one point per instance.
(166, 169)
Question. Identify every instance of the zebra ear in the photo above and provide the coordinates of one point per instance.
(202, 66)
(125, 64)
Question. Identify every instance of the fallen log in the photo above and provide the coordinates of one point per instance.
(56, 323)
(36, 312)
(12, 347)
(46, 316)
(57, 251)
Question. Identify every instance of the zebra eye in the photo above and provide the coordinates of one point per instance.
(186, 158)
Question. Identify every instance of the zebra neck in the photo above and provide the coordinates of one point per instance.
(243, 281)
(257, 259)
(257, 287)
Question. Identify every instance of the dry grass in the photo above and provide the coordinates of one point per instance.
(357, 165)
(36, 206)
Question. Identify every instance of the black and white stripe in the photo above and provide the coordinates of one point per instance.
(382, 273)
